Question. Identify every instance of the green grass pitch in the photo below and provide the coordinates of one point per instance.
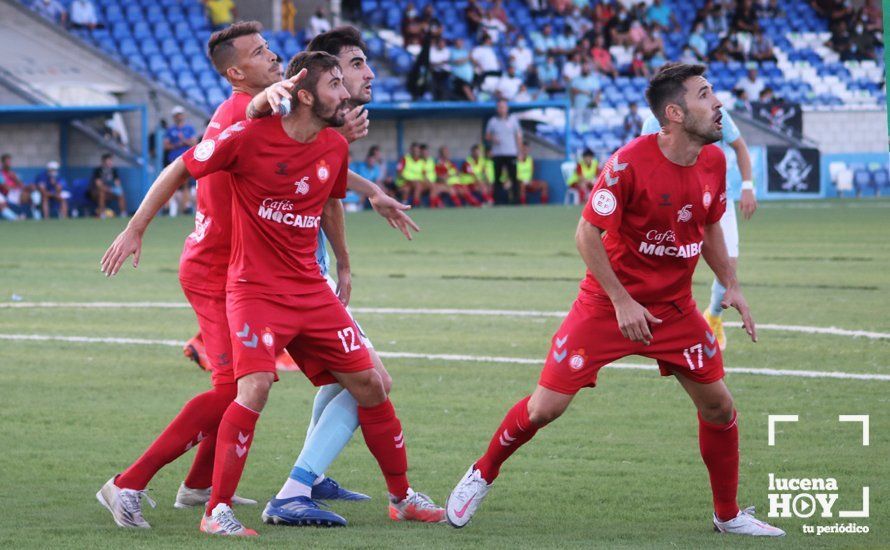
(620, 469)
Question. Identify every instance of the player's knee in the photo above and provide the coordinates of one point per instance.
(541, 414)
(719, 411)
(253, 390)
(366, 387)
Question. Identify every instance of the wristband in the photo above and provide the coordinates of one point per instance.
(748, 185)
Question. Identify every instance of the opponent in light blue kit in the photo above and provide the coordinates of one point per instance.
(739, 185)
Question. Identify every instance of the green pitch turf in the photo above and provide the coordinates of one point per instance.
(620, 469)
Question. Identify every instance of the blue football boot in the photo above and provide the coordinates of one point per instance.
(329, 489)
(300, 511)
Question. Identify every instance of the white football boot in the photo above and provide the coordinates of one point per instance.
(186, 497)
(746, 524)
(466, 498)
(125, 505)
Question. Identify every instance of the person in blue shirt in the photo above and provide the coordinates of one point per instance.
(180, 137)
(739, 185)
(585, 90)
(54, 191)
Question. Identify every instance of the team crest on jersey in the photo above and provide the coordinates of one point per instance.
(706, 198)
(323, 171)
(268, 338)
(578, 359)
(204, 150)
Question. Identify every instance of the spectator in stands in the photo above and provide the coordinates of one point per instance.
(688, 56)
(745, 17)
(761, 46)
(871, 16)
(714, 18)
(485, 60)
(180, 136)
(544, 43)
(221, 13)
(560, 6)
(726, 50)
(462, 71)
(473, 16)
(571, 68)
(412, 30)
(770, 9)
(834, 11)
(54, 191)
(577, 22)
(766, 95)
(440, 57)
(652, 44)
(698, 43)
(661, 16)
(537, 7)
(549, 76)
(525, 172)
(83, 15)
(52, 10)
(740, 101)
(318, 23)
(565, 42)
(106, 184)
(507, 85)
(751, 84)
(585, 90)
(602, 58)
(638, 66)
(863, 43)
(492, 26)
(521, 55)
(21, 197)
(504, 135)
(525, 96)
(633, 122)
(636, 34)
(619, 26)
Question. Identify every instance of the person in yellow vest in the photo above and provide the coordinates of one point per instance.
(410, 173)
(450, 181)
(525, 173)
(428, 184)
(584, 176)
(221, 13)
(474, 176)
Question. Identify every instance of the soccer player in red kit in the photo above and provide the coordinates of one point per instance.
(654, 209)
(276, 297)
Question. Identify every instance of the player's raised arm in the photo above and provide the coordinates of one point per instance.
(633, 319)
(392, 210)
(129, 241)
(274, 99)
(714, 253)
(333, 223)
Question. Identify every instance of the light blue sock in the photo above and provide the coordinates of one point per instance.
(322, 398)
(332, 432)
(717, 292)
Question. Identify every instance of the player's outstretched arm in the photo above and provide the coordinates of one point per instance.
(748, 202)
(714, 253)
(633, 318)
(129, 241)
(333, 223)
(391, 209)
(274, 99)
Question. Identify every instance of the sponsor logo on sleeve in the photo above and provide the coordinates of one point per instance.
(204, 150)
(603, 202)
(706, 199)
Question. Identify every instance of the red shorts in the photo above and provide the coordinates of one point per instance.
(210, 307)
(315, 329)
(589, 338)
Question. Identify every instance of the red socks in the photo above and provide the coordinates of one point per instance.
(233, 441)
(200, 475)
(719, 446)
(384, 438)
(514, 431)
(197, 420)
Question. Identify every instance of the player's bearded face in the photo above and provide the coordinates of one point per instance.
(702, 117)
(330, 107)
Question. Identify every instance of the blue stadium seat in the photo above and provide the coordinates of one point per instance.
(165, 77)
(157, 63)
(113, 14)
(149, 47)
(141, 30)
(127, 47)
(120, 30)
(186, 80)
(178, 64)
(155, 14)
(133, 14)
(191, 48)
(169, 46)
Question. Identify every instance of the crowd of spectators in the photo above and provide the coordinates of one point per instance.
(81, 14)
(856, 32)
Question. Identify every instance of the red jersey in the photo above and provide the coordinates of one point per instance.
(279, 187)
(205, 255)
(654, 213)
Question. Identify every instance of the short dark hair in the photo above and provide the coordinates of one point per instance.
(5, 156)
(315, 63)
(106, 156)
(667, 87)
(335, 40)
(220, 46)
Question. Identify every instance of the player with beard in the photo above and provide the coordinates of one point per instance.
(334, 412)
(655, 208)
(241, 55)
(276, 298)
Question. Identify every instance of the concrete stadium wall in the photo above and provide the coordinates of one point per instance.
(847, 131)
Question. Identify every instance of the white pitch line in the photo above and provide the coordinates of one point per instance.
(458, 358)
(831, 331)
